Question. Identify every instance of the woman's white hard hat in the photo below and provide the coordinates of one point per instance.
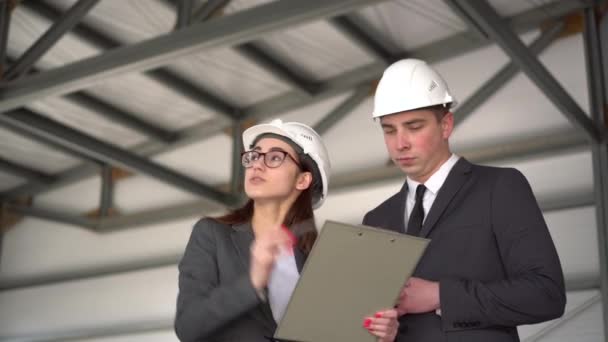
(303, 136)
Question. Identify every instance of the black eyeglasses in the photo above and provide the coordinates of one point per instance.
(272, 159)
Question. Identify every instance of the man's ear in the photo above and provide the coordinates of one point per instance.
(447, 125)
(304, 180)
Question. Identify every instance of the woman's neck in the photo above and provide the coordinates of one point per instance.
(268, 215)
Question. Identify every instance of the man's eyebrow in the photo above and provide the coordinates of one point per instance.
(413, 121)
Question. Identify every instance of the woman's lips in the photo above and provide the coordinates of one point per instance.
(256, 180)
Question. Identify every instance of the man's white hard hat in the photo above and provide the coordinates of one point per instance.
(410, 84)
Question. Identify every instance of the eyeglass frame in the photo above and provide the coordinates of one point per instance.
(263, 155)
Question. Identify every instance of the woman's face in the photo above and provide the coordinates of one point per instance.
(286, 181)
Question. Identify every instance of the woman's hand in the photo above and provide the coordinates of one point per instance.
(264, 251)
(383, 324)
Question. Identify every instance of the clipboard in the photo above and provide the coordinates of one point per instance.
(352, 271)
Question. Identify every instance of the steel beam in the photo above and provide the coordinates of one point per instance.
(184, 13)
(166, 325)
(343, 109)
(571, 314)
(74, 140)
(208, 9)
(25, 172)
(273, 66)
(106, 201)
(197, 94)
(53, 216)
(354, 27)
(165, 77)
(493, 24)
(525, 149)
(435, 52)
(49, 38)
(123, 330)
(236, 179)
(551, 144)
(597, 100)
(5, 21)
(473, 27)
(177, 212)
(117, 115)
(91, 272)
(504, 75)
(230, 30)
(89, 162)
(462, 43)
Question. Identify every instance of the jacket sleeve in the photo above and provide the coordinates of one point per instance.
(533, 290)
(203, 304)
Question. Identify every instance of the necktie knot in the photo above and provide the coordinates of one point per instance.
(420, 190)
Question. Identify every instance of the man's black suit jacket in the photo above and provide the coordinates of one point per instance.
(491, 253)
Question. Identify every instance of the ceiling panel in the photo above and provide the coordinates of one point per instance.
(151, 101)
(83, 119)
(29, 153)
(319, 49)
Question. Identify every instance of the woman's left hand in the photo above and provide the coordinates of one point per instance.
(383, 324)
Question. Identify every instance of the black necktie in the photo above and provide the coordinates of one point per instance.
(414, 224)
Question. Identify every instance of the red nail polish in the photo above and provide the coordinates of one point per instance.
(367, 322)
(378, 314)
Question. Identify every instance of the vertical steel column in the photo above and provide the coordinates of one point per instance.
(208, 9)
(184, 13)
(236, 188)
(5, 19)
(599, 149)
(107, 191)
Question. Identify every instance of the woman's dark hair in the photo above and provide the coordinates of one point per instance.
(300, 211)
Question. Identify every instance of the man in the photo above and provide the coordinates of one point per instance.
(491, 264)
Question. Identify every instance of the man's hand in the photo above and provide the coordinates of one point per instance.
(418, 296)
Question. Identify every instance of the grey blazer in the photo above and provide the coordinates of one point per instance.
(491, 252)
(216, 300)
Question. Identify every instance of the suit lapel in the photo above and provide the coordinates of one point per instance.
(300, 258)
(456, 179)
(242, 237)
(396, 220)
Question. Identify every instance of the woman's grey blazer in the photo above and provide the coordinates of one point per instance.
(216, 300)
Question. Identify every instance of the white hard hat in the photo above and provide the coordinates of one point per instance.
(410, 84)
(303, 136)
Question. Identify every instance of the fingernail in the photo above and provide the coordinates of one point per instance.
(378, 314)
(367, 322)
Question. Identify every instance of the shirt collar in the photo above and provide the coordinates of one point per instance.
(434, 183)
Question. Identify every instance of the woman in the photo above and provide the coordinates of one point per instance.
(239, 270)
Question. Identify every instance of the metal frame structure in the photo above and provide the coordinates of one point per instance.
(240, 30)
(596, 73)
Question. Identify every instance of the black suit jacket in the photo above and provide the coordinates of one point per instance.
(491, 253)
(216, 300)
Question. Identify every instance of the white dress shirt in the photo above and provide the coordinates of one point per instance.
(433, 184)
(282, 282)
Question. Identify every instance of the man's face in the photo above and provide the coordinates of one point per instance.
(417, 141)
